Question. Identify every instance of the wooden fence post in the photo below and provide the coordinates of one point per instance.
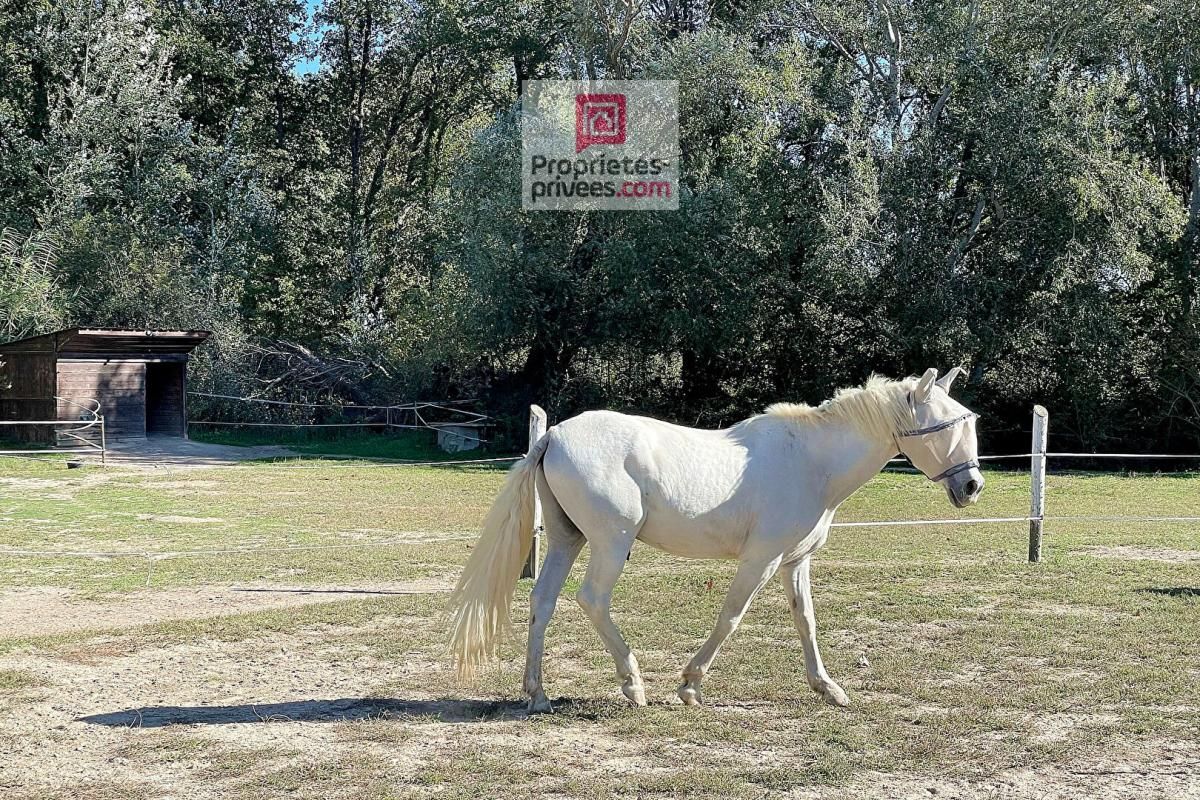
(1037, 484)
(537, 429)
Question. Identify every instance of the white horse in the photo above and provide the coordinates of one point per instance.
(763, 492)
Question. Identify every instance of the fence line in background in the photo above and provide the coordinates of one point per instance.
(96, 420)
(902, 522)
(422, 539)
(537, 428)
(1107, 518)
(298, 424)
(472, 418)
(402, 406)
(1038, 456)
(1037, 499)
(327, 462)
(431, 426)
(993, 520)
(1180, 456)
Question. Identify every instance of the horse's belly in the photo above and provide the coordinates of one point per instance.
(690, 538)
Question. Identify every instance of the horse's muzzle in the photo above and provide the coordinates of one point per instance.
(965, 487)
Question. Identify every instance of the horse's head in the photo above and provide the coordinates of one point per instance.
(941, 440)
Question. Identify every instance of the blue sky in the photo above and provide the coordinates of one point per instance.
(307, 66)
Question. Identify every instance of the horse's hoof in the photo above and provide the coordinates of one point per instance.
(540, 705)
(636, 695)
(690, 695)
(834, 695)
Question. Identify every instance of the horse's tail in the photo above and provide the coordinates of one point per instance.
(479, 606)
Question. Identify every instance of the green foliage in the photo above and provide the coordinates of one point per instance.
(885, 187)
(403, 445)
(31, 299)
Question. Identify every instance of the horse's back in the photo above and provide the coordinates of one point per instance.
(676, 486)
(599, 443)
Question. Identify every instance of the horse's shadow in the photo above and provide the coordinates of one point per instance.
(1173, 591)
(346, 709)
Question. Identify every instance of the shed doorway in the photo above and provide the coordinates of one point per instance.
(165, 399)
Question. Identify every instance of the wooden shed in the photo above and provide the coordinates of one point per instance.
(138, 378)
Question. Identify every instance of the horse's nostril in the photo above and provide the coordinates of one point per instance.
(972, 488)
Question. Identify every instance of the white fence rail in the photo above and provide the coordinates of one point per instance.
(90, 419)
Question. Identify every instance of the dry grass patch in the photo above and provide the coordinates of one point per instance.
(13, 680)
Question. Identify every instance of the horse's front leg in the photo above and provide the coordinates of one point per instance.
(751, 576)
(796, 584)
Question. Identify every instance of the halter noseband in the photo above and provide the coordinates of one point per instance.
(957, 468)
(941, 426)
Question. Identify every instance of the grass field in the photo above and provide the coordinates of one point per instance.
(971, 673)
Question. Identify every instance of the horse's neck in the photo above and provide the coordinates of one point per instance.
(850, 458)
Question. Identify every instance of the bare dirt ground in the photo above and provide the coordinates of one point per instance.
(1169, 772)
(1164, 554)
(44, 610)
(194, 720)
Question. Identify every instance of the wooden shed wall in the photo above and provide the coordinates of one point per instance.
(120, 386)
(27, 393)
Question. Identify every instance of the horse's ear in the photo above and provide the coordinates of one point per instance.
(924, 386)
(947, 379)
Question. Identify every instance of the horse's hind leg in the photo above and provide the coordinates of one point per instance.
(607, 559)
(610, 519)
(564, 541)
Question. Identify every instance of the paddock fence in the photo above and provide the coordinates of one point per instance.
(1037, 516)
(445, 417)
(1038, 458)
(80, 430)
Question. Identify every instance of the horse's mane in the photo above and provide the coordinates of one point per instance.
(879, 407)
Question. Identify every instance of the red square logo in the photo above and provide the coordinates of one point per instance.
(599, 119)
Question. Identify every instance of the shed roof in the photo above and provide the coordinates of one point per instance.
(117, 341)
